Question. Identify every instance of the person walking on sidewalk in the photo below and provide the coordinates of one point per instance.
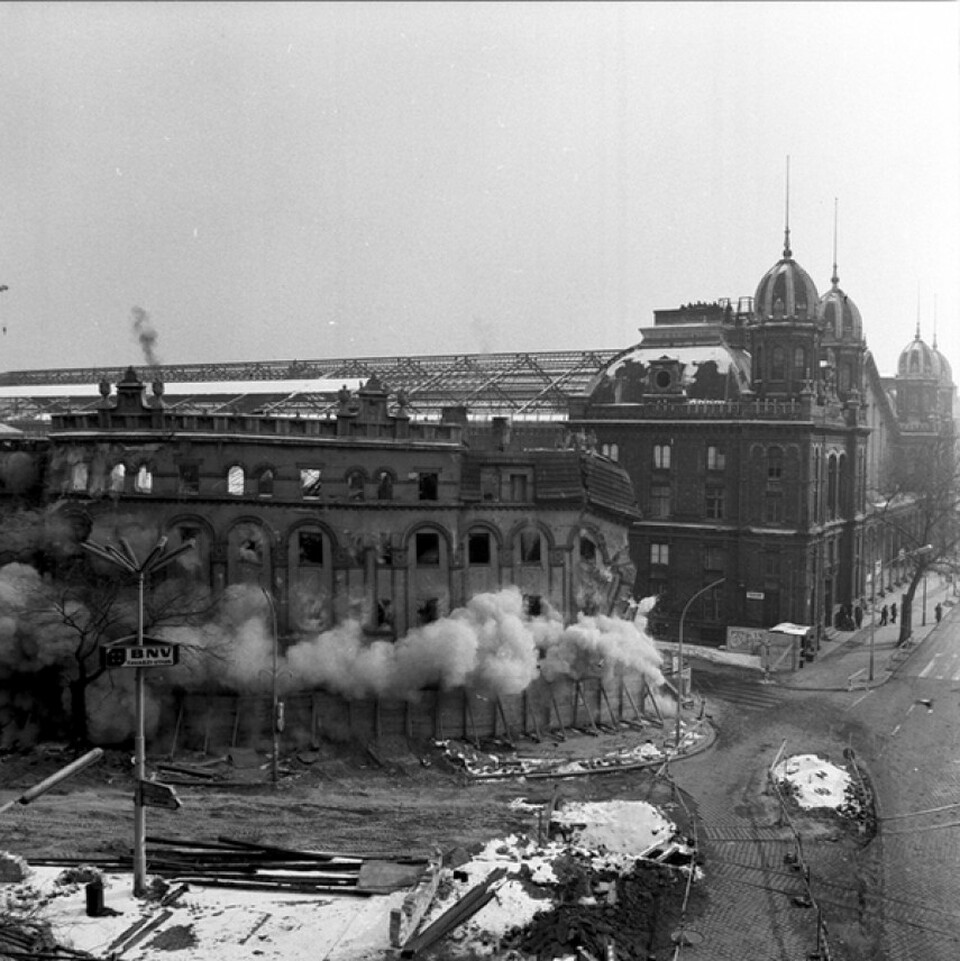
(893, 613)
(883, 615)
(938, 612)
(858, 616)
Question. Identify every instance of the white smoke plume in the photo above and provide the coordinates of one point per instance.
(487, 645)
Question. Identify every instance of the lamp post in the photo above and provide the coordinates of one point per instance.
(877, 573)
(683, 614)
(274, 700)
(126, 559)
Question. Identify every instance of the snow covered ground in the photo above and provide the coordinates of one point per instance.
(209, 922)
(815, 782)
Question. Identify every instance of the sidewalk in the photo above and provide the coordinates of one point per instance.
(844, 663)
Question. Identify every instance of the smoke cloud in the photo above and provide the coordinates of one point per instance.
(146, 334)
(488, 645)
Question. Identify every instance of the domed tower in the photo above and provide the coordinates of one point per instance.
(947, 389)
(842, 346)
(784, 332)
(919, 372)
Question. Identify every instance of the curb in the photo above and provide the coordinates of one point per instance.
(890, 672)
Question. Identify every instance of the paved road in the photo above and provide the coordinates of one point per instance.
(912, 746)
(902, 900)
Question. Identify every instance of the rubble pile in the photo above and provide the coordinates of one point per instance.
(635, 914)
(507, 763)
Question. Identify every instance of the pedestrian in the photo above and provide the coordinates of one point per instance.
(883, 615)
(938, 611)
(858, 615)
(893, 613)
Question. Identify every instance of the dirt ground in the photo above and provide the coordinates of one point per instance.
(400, 799)
(409, 800)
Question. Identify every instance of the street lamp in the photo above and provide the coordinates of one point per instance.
(683, 614)
(275, 702)
(126, 559)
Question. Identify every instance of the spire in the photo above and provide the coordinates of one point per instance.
(917, 336)
(787, 252)
(835, 278)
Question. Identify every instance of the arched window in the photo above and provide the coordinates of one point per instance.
(832, 489)
(236, 481)
(355, 485)
(144, 482)
(78, 477)
(800, 363)
(384, 485)
(775, 463)
(531, 550)
(777, 364)
(118, 478)
(265, 482)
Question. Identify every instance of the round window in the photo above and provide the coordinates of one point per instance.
(663, 379)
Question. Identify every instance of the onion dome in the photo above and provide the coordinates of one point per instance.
(919, 361)
(946, 373)
(839, 316)
(786, 291)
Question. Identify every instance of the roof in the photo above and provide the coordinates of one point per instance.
(530, 385)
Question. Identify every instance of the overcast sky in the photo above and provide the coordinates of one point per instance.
(279, 181)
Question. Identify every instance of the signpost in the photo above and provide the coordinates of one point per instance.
(129, 652)
(154, 794)
(126, 559)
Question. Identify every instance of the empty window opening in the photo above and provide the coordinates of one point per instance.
(144, 481)
(310, 548)
(429, 485)
(311, 482)
(478, 548)
(428, 549)
(189, 479)
(530, 552)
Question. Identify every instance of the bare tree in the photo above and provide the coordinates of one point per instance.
(921, 510)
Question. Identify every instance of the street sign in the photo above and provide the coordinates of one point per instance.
(140, 655)
(156, 795)
(755, 595)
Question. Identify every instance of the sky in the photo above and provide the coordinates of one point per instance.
(272, 181)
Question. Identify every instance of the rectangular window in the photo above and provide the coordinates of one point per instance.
(773, 509)
(715, 499)
(660, 501)
(189, 479)
(518, 487)
(712, 604)
(716, 459)
(714, 558)
(429, 483)
(661, 456)
(311, 482)
(489, 484)
(659, 553)
(478, 548)
(775, 464)
(532, 605)
(428, 549)
(771, 565)
(529, 547)
(310, 548)
(428, 611)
